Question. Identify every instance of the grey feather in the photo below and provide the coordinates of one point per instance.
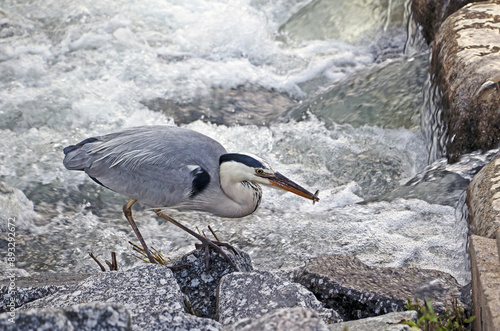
(153, 164)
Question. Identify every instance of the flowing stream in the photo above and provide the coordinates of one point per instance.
(321, 89)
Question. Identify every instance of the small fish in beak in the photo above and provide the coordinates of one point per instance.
(283, 183)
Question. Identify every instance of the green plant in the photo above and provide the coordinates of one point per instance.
(454, 318)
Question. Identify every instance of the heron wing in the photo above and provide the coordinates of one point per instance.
(157, 165)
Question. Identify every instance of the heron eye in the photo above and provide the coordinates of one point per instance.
(259, 172)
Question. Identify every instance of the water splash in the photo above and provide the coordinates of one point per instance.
(72, 70)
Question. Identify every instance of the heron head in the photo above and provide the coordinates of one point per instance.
(248, 167)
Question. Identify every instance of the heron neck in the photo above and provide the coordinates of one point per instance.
(245, 196)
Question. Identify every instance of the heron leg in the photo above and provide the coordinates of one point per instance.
(216, 245)
(127, 210)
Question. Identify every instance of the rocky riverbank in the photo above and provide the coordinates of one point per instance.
(324, 295)
(465, 75)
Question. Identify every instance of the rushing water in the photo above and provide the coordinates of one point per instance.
(335, 109)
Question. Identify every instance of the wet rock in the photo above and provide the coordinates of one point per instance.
(327, 19)
(17, 297)
(483, 200)
(430, 14)
(200, 284)
(252, 294)
(440, 182)
(465, 65)
(144, 291)
(61, 279)
(244, 105)
(356, 290)
(21, 290)
(375, 174)
(444, 189)
(284, 319)
(88, 316)
(373, 99)
(391, 321)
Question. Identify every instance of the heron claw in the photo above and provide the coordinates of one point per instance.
(205, 242)
(217, 246)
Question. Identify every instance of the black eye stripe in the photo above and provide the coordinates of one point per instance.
(241, 158)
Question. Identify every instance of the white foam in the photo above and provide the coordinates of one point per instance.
(80, 69)
(182, 49)
(16, 210)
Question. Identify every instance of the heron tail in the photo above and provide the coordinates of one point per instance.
(76, 156)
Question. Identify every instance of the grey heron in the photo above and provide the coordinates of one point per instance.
(168, 166)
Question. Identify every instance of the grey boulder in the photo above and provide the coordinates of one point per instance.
(199, 284)
(144, 291)
(357, 290)
(253, 294)
(283, 319)
(387, 322)
(88, 316)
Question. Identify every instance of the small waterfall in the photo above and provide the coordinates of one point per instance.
(415, 42)
(433, 127)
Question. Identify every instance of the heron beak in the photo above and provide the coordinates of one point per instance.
(283, 183)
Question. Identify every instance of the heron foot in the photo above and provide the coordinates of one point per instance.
(205, 242)
(216, 246)
(220, 244)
